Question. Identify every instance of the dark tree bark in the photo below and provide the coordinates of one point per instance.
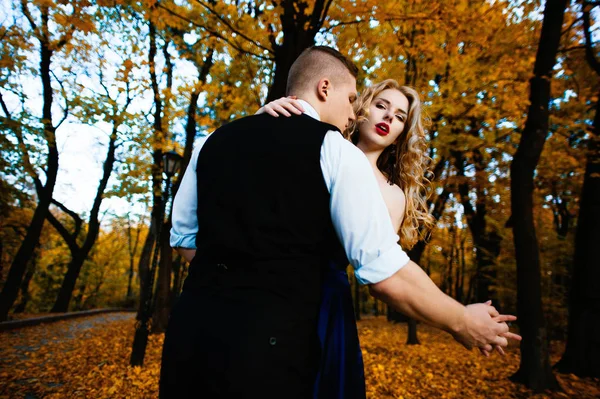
(162, 305)
(25, 295)
(534, 371)
(299, 30)
(582, 354)
(44, 191)
(132, 247)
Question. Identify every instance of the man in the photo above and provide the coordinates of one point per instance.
(267, 204)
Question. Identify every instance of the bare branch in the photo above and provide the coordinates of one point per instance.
(69, 238)
(75, 216)
(27, 14)
(215, 34)
(64, 92)
(568, 49)
(228, 24)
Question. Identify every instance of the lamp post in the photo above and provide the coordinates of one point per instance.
(171, 164)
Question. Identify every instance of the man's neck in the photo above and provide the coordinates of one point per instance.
(309, 109)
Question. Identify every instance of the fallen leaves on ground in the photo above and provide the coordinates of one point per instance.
(89, 358)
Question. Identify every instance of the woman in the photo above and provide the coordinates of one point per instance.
(389, 130)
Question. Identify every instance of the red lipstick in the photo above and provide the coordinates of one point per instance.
(382, 129)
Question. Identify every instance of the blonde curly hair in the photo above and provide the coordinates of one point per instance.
(405, 162)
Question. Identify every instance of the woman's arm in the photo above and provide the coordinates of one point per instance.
(281, 106)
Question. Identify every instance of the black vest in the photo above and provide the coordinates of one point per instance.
(265, 233)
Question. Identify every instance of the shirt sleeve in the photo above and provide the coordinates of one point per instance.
(184, 219)
(358, 212)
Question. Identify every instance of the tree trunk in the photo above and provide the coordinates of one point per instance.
(68, 285)
(25, 296)
(156, 214)
(162, 303)
(412, 338)
(534, 371)
(144, 262)
(582, 354)
(299, 30)
(129, 296)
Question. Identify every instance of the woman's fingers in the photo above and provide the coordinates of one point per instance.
(500, 341)
(281, 110)
(504, 317)
(510, 335)
(283, 106)
(293, 106)
(493, 312)
(268, 110)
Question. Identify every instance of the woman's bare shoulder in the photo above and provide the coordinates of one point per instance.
(396, 203)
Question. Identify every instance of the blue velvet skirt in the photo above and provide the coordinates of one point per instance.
(341, 371)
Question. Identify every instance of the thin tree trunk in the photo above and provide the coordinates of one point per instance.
(25, 295)
(534, 370)
(162, 305)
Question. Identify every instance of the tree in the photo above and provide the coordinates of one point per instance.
(534, 370)
(53, 27)
(582, 353)
(110, 103)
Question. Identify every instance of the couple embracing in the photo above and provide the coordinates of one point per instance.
(271, 210)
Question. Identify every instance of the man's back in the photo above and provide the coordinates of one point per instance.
(264, 234)
(261, 194)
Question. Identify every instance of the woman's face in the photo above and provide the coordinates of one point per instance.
(387, 115)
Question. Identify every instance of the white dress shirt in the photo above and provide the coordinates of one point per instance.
(358, 211)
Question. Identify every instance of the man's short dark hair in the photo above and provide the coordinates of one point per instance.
(315, 63)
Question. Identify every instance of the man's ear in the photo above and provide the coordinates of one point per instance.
(323, 89)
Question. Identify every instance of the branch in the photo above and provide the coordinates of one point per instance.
(69, 239)
(5, 108)
(29, 17)
(566, 50)
(219, 17)
(215, 34)
(64, 92)
(21, 143)
(75, 216)
(391, 19)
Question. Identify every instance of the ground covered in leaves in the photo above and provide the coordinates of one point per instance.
(89, 357)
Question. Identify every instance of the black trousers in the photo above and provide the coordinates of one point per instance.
(233, 336)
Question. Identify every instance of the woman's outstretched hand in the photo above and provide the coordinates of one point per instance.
(500, 318)
(282, 106)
